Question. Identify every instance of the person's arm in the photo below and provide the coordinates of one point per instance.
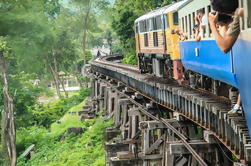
(224, 42)
(197, 35)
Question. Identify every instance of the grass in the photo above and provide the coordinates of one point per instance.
(73, 150)
(67, 121)
(78, 107)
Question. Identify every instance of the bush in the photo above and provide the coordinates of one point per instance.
(45, 115)
(130, 58)
(33, 135)
(72, 150)
(50, 151)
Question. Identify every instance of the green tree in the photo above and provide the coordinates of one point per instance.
(8, 125)
(87, 10)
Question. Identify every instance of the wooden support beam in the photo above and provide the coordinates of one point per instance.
(248, 152)
(199, 147)
(209, 136)
(146, 141)
(155, 145)
(181, 162)
(150, 157)
(151, 125)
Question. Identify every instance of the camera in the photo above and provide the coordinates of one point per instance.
(225, 19)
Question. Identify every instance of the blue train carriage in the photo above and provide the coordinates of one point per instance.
(211, 69)
(242, 61)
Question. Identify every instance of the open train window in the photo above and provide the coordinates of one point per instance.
(175, 18)
(249, 13)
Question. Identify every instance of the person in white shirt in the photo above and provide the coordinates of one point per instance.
(203, 22)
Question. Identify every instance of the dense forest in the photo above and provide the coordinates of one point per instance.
(40, 40)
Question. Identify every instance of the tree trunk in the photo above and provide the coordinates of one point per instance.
(79, 80)
(86, 24)
(63, 87)
(55, 71)
(8, 125)
(55, 80)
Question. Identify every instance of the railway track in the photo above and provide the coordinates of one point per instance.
(203, 109)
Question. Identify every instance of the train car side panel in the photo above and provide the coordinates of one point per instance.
(242, 60)
(206, 58)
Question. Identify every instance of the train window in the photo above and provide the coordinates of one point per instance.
(136, 28)
(166, 23)
(175, 18)
(249, 13)
(190, 25)
(154, 23)
(147, 25)
(183, 24)
(193, 21)
(186, 24)
(142, 26)
(208, 27)
(155, 39)
(158, 22)
(193, 18)
(150, 24)
(146, 40)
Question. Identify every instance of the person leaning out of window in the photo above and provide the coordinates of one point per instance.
(228, 13)
(227, 18)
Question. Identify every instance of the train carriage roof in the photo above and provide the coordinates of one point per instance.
(192, 6)
(163, 10)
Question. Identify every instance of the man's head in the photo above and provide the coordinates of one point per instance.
(201, 12)
(225, 6)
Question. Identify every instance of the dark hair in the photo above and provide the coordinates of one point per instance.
(202, 10)
(225, 6)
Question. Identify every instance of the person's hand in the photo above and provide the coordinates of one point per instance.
(212, 18)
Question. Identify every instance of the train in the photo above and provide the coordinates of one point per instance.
(199, 64)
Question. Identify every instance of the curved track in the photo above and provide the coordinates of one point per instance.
(206, 110)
